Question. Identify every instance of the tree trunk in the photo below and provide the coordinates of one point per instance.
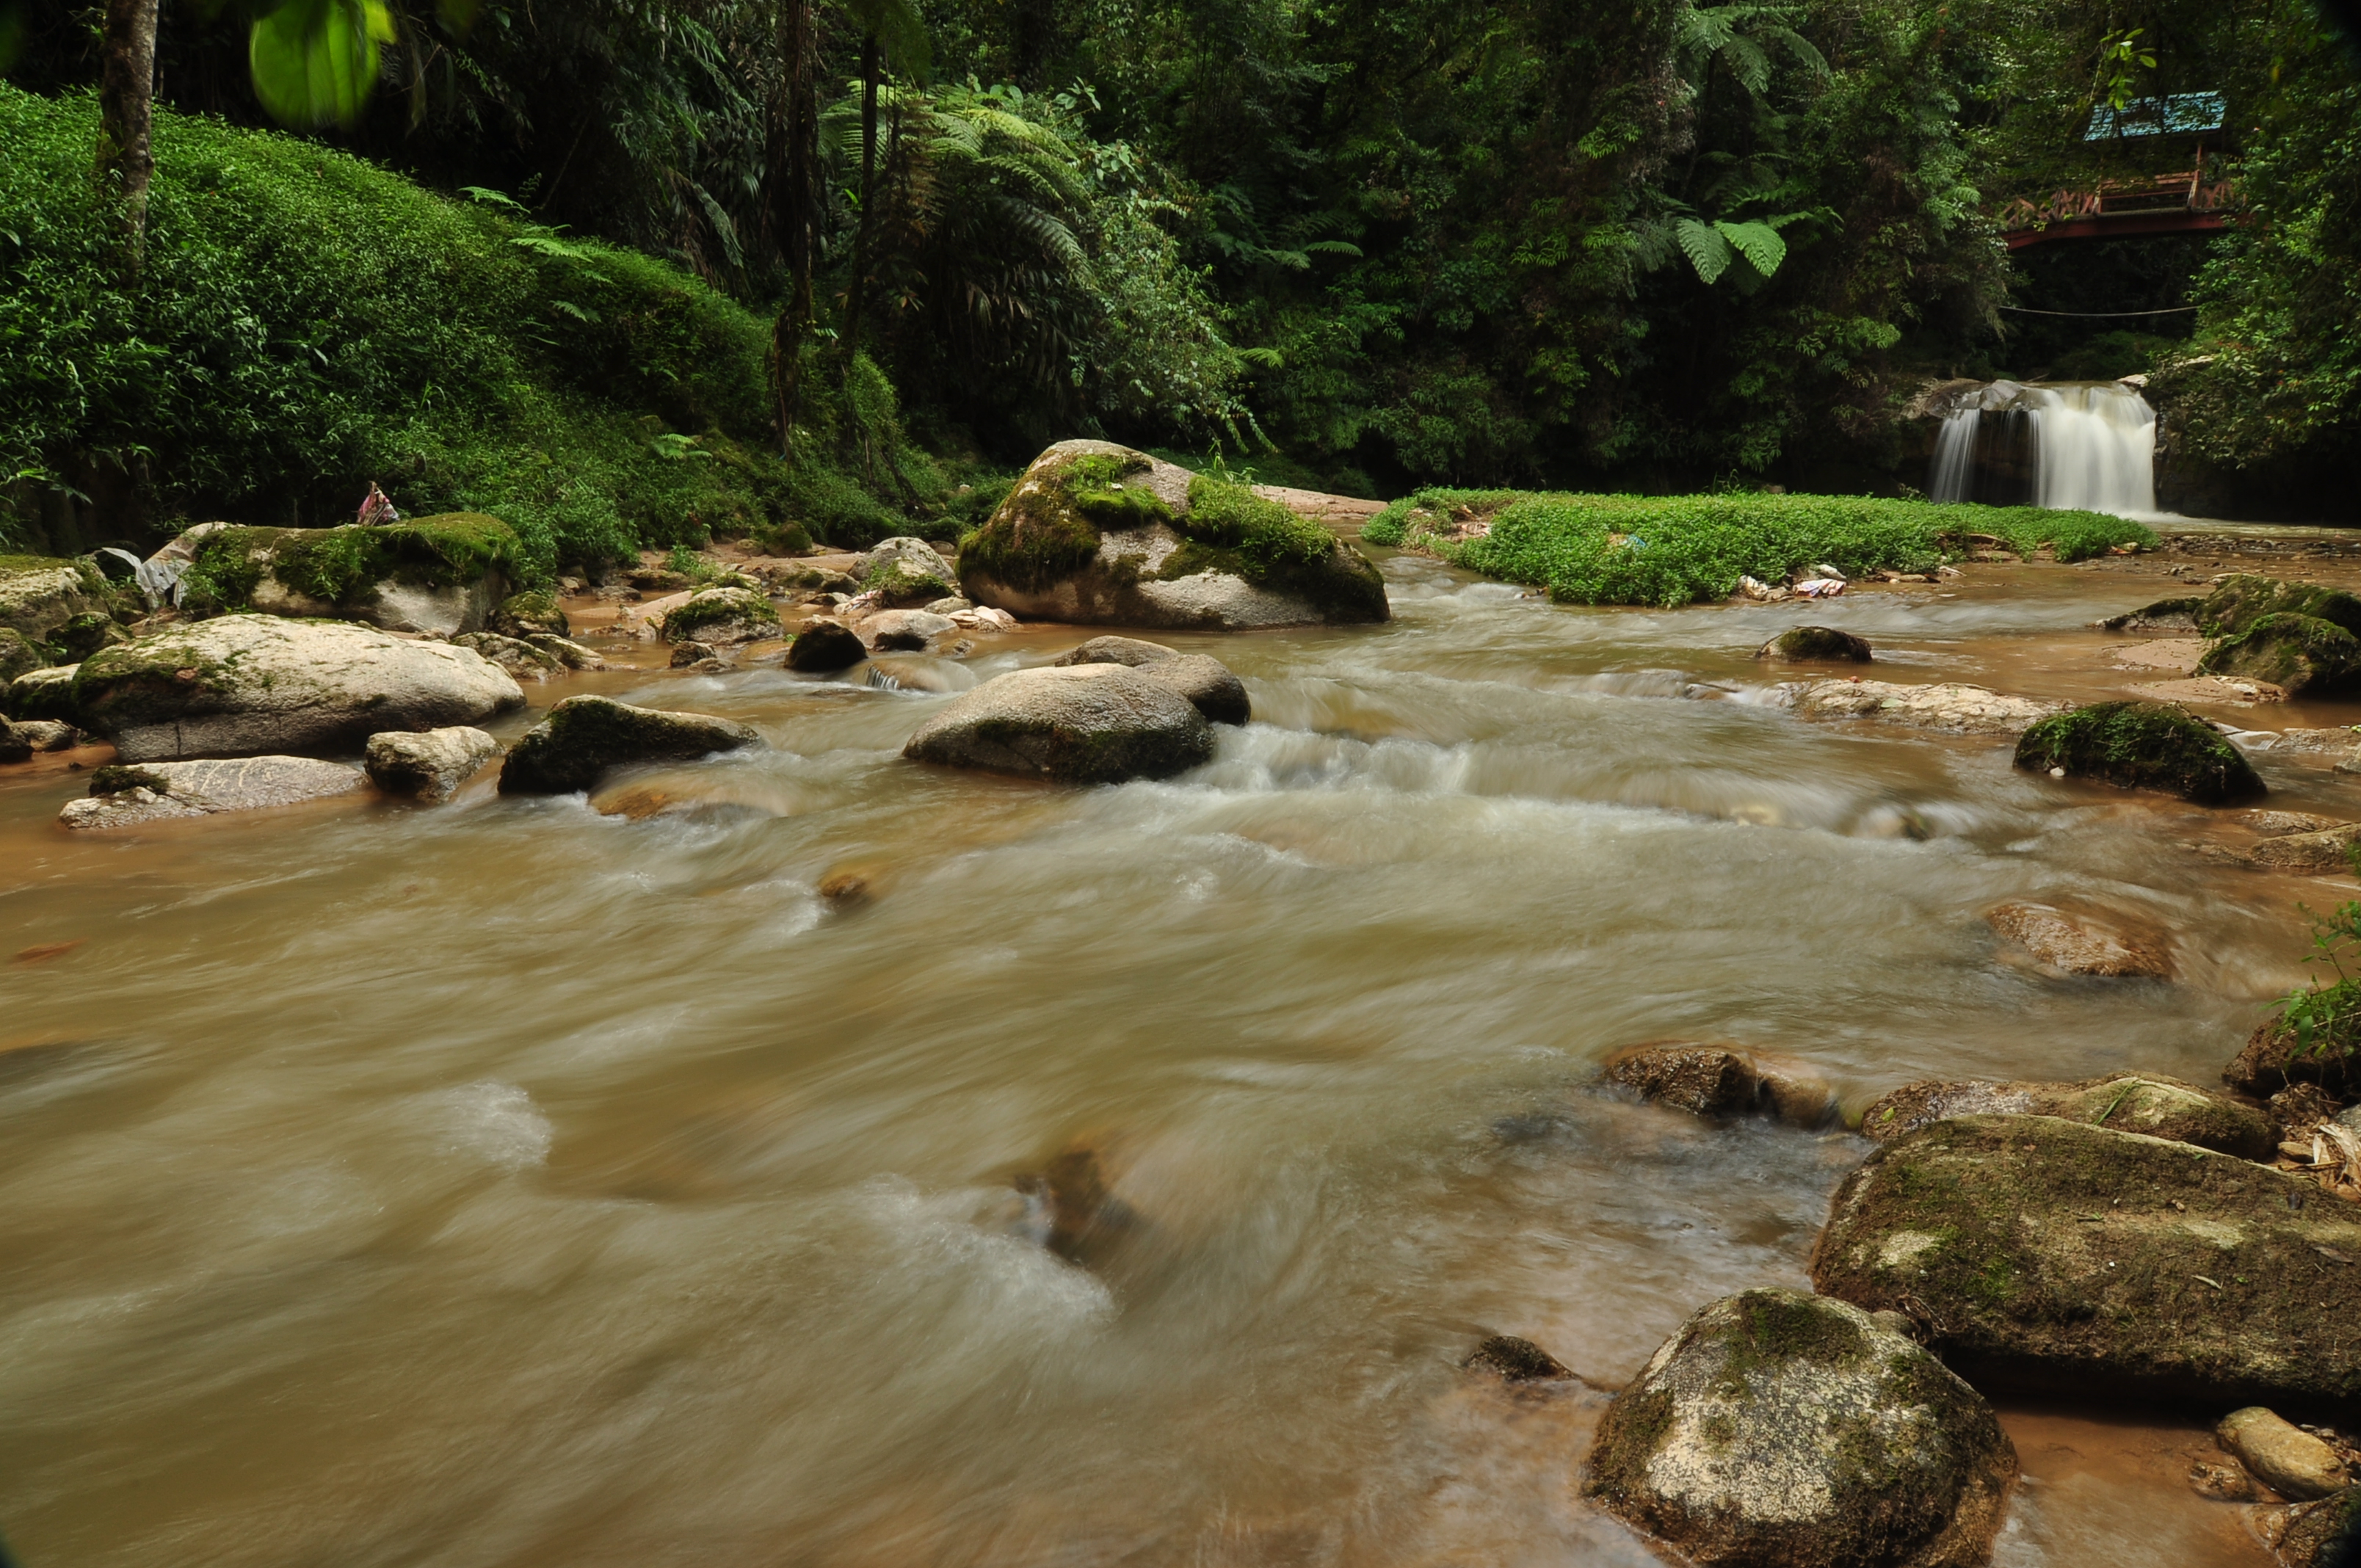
(126, 88)
(855, 292)
(793, 204)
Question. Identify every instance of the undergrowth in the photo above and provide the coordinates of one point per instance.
(1676, 550)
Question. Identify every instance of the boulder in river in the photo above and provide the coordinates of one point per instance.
(523, 615)
(2238, 603)
(1815, 644)
(2158, 1106)
(719, 617)
(1073, 724)
(1710, 1080)
(430, 574)
(1777, 1429)
(1950, 705)
(2282, 1456)
(2050, 1255)
(905, 573)
(2164, 615)
(130, 796)
(2074, 943)
(17, 655)
(245, 685)
(522, 660)
(824, 647)
(44, 694)
(2300, 654)
(429, 764)
(1515, 1360)
(909, 630)
(2141, 745)
(1094, 532)
(1216, 691)
(39, 594)
(585, 736)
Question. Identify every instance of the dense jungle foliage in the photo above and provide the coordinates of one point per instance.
(1657, 246)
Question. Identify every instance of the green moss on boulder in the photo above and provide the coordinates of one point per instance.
(585, 736)
(45, 693)
(438, 574)
(18, 653)
(39, 594)
(2234, 606)
(1815, 644)
(2141, 745)
(2160, 1107)
(2052, 1255)
(2299, 653)
(1040, 533)
(722, 616)
(522, 615)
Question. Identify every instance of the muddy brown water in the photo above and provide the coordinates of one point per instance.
(512, 1183)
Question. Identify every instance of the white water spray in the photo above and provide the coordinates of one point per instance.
(2094, 446)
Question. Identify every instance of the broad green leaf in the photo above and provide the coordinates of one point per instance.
(1707, 251)
(314, 61)
(1758, 242)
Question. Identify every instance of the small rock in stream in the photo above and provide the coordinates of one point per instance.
(1516, 1360)
(2140, 745)
(2150, 1103)
(687, 656)
(1072, 724)
(2074, 943)
(585, 736)
(1815, 644)
(1708, 1080)
(129, 796)
(428, 765)
(1948, 705)
(2282, 1457)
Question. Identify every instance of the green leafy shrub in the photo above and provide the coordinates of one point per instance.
(1676, 550)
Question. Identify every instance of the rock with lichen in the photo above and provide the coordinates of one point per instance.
(2141, 745)
(1206, 680)
(2050, 1255)
(583, 737)
(2158, 1106)
(132, 796)
(2300, 654)
(442, 574)
(1071, 724)
(1777, 1429)
(1094, 532)
(524, 615)
(720, 617)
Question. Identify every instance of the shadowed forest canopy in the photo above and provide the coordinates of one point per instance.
(587, 255)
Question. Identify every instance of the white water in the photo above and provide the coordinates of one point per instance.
(2094, 446)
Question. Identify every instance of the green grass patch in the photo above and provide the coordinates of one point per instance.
(1676, 550)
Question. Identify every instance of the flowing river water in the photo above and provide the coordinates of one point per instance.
(517, 1183)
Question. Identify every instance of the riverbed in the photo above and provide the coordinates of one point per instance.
(524, 1183)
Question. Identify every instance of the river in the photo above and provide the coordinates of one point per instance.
(515, 1184)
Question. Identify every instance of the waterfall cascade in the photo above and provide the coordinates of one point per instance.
(2090, 444)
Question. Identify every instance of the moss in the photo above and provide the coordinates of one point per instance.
(714, 607)
(2141, 745)
(895, 584)
(1632, 1431)
(2237, 605)
(1821, 644)
(341, 565)
(1782, 1328)
(115, 777)
(2301, 654)
(1094, 484)
(1036, 536)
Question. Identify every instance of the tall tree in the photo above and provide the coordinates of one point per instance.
(793, 204)
(127, 89)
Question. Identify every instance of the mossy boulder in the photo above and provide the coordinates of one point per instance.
(1072, 724)
(2141, 745)
(1097, 533)
(722, 616)
(17, 655)
(1815, 644)
(2054, 1255)
(246, 684)
(2158, 1106)
(39, 594)
(44, 694)
(527, 614)
(2240, 602)
(2301, 654)
(1777, 1429)
(433, 574)
(906, 572)
(2165, 615)
(85, 634)
(585, 736)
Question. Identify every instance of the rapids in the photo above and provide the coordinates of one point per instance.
(512, 1183)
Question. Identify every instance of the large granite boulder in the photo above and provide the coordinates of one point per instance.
(1099, 533)
(245, 685)
(1216, 691)
(2052, 1255)
(585, 736)
(722, 617)
(1073, 723)
(439, 573)
(1777, 1429)
(129, 797)
(2141, 745)
(2300, 654)
(39, 594)
(1951, 706)
(427, 764)
(2158, 1106)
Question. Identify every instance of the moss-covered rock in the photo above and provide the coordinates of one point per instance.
(2164, 615)
(39, 594)
(2298, 654)
(1815, 644)
(2158, 1106)
(721, 616)
(526, 614)
(1099, 533)
(2052, 1255)
(17, 655)
(44, 694)
(85, 634)
(2238, 603)
(585, 736)
(906, 572)
(433, 574)
(246, 684)
(2141, 745)
(1073, 724)
(522, 660)
(1777, 1429)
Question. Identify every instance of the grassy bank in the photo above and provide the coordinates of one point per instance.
(1676, 550)
(303, 322)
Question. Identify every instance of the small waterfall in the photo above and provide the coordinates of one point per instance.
(2083, 445)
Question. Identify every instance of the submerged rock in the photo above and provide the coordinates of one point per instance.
(2081, 944)
(1964, 709)
(1073, 724)
(1815, 644)
(585, 736)
(2297, 653)
(1096, 533)
(823, 648)
(2158, 1106)
(721, 616)
(429, 765)
(2141, 745)
(126, 796)
(2047, 1254)
(1708, 1080)
(2282, 1455)
(1516, 1360)
(1072, 1206)
(244, 684)
(1776, 1430)
(1206, 682)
